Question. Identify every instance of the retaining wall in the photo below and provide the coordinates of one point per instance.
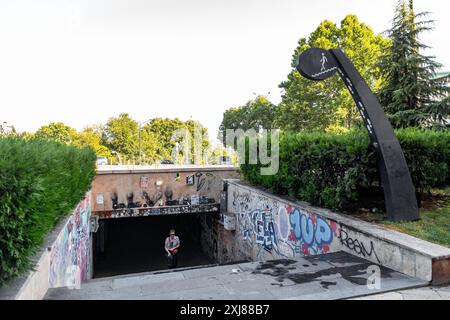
(269, 227)
(65, 258)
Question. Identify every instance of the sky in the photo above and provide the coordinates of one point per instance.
(83, 61)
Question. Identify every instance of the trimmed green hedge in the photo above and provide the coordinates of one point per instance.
(40, 182)
(330, 170)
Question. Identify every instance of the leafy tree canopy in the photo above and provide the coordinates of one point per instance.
(57, 131)
(256, 114)
(412, 94)
(327, 105)
(121, 135)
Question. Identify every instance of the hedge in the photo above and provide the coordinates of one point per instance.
(331, 170)
(40, 182)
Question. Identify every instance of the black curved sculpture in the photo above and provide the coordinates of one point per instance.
(399, 193)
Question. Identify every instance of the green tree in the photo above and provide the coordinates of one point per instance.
(121, 136)
(149, 145)
(412, 95)
(57, 131)
(327, 105)
(163, 130)
(92, 137)
(197, 131)
(215, 154)
(256, 114)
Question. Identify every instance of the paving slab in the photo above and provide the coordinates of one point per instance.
(326, 277)
(148, 279)
(216, 292)
(425, 293)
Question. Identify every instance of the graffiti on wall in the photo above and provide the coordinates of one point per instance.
(162, 210)
(275, 229)
(165, 195)
(357, 246)
(70, 255)
(281, 230)
(309, 233)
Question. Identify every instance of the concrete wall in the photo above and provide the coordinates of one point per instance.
(71, 255)
(64, 259)
(155, 187)
(269, 227)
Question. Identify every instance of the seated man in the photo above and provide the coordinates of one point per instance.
(172, 244)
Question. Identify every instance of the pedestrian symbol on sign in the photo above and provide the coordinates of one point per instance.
(324, 60)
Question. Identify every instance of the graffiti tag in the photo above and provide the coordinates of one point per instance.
(356, 245)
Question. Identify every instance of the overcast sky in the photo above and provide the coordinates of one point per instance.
(84, 61)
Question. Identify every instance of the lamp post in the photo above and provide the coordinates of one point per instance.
(139, 137)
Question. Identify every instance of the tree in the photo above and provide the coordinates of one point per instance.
(121, 135)
(92, 137)
(168, 132)
(412, 95)
(163, 130)
(149, 145)
(327, 105)
(256, 114)
(198, 131)
(57, 131)
(215, 154)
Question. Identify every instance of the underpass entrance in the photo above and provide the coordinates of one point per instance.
(136, 244)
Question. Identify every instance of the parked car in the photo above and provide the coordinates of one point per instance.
(102, 161)
(165, 161)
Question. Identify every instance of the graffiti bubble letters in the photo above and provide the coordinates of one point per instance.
(311, 230)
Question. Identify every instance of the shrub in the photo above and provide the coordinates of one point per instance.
(40, 182)
(330, 170)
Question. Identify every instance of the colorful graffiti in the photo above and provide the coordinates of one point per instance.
(278, 230)
(310, 232)
(70, 255)
(165, 196)
(213, 208)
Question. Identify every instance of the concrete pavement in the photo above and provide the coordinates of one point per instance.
(328, 277)
(426, 293)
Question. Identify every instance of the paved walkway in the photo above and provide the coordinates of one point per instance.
(426, 293)
(328, 277)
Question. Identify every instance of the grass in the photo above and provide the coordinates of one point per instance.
(434, 225)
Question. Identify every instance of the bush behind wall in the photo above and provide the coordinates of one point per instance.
(330, 170)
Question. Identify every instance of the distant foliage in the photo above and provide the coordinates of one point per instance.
(41, 181)
(257, 114)
(118, 139)
(329, 170)
(412, 94)
(327, 105)
(57, 131)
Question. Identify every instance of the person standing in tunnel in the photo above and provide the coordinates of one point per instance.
(171, 246)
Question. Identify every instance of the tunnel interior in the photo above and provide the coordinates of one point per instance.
(136, 244)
